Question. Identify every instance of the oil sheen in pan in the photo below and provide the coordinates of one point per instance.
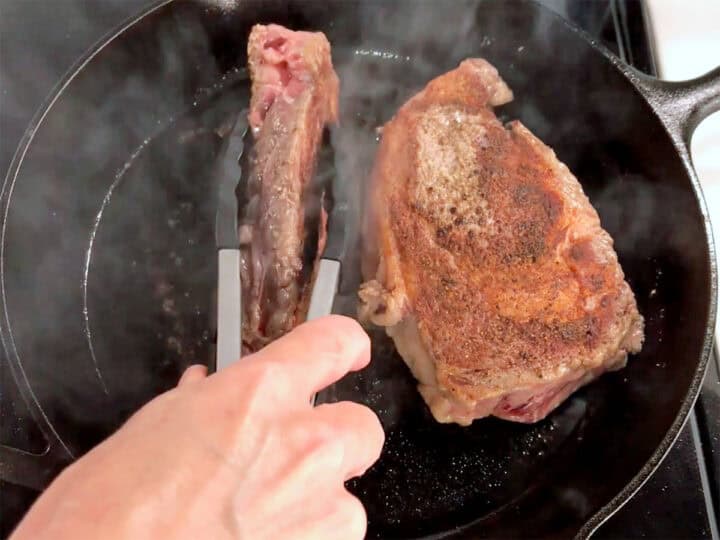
(149, 274)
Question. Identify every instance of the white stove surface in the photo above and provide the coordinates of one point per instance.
(687, 43)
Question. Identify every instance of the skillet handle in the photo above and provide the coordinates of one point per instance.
(682, 105)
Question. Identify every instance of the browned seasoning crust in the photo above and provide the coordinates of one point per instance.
(488, 244)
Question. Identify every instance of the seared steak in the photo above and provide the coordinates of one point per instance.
(294, 95)
(489, 266)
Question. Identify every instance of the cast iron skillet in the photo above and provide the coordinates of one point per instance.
(107, 247)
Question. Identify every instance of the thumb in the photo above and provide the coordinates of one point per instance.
(193, 374)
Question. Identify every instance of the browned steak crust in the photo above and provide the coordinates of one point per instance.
(488, 247)
(294, 95)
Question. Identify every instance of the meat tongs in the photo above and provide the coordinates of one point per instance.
(327, 278)
(229, 292)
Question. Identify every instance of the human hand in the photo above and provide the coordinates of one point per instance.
(238, 454)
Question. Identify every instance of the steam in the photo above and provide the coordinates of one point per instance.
(580, 107)
(383, 55)
(127, 148)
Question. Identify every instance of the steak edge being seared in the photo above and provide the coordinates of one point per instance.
(487, 263)
(294, 95)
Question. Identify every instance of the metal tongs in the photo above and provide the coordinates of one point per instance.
(229, 291)
(327, 278)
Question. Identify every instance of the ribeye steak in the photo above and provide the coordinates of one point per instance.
(488, 264)
(294, 95)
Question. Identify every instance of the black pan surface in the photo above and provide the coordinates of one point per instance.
(108, 253)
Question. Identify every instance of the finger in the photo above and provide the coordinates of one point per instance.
(316, 354)
(343, 517)
(359, 430)
(352, 517)
(192, 374)
(326, 515)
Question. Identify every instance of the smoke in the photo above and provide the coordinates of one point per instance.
(134, 137)
(582, 107)
(109, 261)
(386, 52)
(37, 46)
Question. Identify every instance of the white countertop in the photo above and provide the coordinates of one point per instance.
(687, 42)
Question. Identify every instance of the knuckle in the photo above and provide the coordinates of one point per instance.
(341, 331)
(268, 374)
(327, 451)
(350, 330)
(333, 351)
(319, 434)
(366, 418)
(254, 387)
(324, 446)
(340, 323)
(312, 437)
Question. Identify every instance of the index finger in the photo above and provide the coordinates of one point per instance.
(318, 353)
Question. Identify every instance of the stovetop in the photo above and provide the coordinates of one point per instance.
(38, 44)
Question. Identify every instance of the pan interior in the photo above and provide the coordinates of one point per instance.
(108, 250)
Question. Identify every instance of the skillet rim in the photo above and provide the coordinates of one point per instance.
(631, 74)
(681, 419)
(6, 192)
